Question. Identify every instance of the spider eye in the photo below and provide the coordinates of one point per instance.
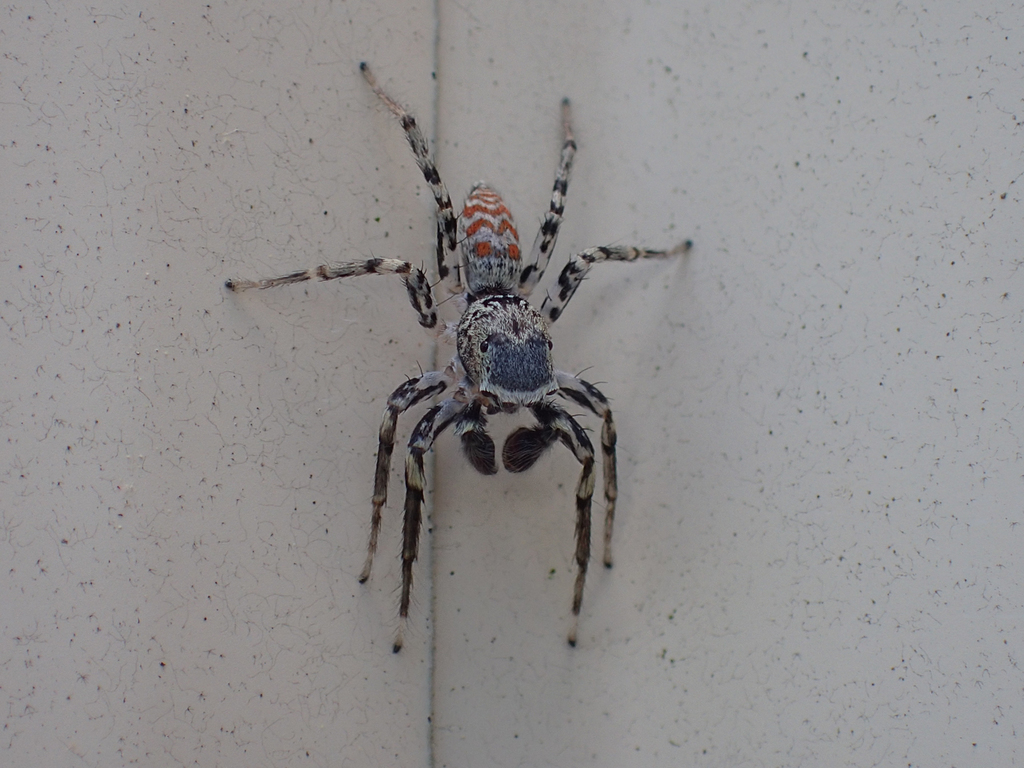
(483, 346)
(550, 345)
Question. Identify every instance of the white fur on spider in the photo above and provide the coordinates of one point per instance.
(503, 361)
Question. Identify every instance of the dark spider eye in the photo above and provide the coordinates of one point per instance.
(483, 346)
(550, 345)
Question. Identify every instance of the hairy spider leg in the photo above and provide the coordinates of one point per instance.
(402, 399)
(586, 394)
(574, 272)
(575, 439)
(429, 427)
(544, 244)
(447, 225)
(420, 295)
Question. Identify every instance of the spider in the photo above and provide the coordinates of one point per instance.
(503, 361)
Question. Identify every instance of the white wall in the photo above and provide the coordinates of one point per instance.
(818, 409)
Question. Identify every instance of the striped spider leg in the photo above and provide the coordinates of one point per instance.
(446, 220)
(578, 267)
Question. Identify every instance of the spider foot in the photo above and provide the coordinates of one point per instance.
(683, 247)
(572, 631)
(399, 636)
(236, 285)
(364, 575)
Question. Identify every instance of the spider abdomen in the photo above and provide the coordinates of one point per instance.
(490, 242)
(505, 347)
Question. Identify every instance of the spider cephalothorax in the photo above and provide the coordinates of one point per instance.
(503, 361)
(505, 348)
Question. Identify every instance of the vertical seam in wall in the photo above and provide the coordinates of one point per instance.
(434, 361)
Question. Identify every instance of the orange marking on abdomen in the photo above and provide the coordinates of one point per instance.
(473, 228)
(483, 249)
(497, 211)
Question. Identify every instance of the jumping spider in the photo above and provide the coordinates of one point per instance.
(504, 351)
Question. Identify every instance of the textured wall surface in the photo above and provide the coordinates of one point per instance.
(819, 408)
